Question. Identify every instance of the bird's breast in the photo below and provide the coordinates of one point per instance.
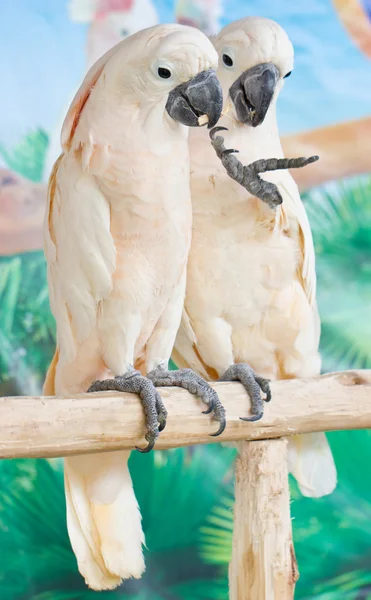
(241, 264)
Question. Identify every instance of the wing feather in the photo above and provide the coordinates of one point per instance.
(298, 223)
(79, 249)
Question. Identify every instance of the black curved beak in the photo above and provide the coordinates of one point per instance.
(199, 96)
(253, 91)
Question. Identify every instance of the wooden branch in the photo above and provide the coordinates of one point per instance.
(47, 427)
(263, 559)
(344, 149)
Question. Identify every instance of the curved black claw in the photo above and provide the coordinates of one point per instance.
(153, 406)
(161, 412)
(219, 415)
(253, 418)
(215, 130)
(161, 425)
(151, 444)
(265, 387)
(253, 384)
(229, 151)
(196, 385)
(223, 424)
(210, 409)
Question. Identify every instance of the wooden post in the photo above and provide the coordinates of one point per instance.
(263, 563)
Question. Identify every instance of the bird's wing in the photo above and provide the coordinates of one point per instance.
(79, 249)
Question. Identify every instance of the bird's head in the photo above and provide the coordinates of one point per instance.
(151, 80)
(170, 67)
(255, 56)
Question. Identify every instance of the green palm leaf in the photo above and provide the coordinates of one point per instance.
(195, 477)
(354, 585)
(27, 329)
(216, 535)
(28, 157)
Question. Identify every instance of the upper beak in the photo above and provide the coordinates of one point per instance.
(253, 91)
(199, 96)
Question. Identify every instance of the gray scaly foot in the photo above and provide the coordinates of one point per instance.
(248, 176)
(196, 385)
(154, 409)
(253, 384)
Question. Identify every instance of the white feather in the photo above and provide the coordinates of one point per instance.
(101, 503)
(311, 462)
(80, 271)
(298, 215)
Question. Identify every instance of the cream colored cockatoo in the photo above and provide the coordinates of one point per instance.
(251, 283)
(117, 236)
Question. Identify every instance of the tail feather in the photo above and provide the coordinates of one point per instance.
(94, 572)
(311, 462)
(103, 519)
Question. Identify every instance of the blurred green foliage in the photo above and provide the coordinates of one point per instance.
(27, 326)
(28, 157)
(341, 226)
(175, 490)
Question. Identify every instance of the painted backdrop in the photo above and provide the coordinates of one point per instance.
(186, 495)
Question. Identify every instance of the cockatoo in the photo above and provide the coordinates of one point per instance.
(251, 284)
(117, 236)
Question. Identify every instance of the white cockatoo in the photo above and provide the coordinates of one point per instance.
(117, 236)
(251, 282)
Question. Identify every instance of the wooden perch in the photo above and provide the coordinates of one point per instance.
(263, 563)
(50, 427)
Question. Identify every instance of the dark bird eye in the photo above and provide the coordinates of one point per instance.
(227, 60)
(164, 73)
(287, 74)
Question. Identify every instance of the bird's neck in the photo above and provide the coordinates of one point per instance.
(129, 126)
(257, 142)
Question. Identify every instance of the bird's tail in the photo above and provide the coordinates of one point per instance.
(103, 519)
(311, 462)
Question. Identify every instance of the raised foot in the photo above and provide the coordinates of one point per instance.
(248, 176)
(253, 384)
(196, 385)
(154, 409)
